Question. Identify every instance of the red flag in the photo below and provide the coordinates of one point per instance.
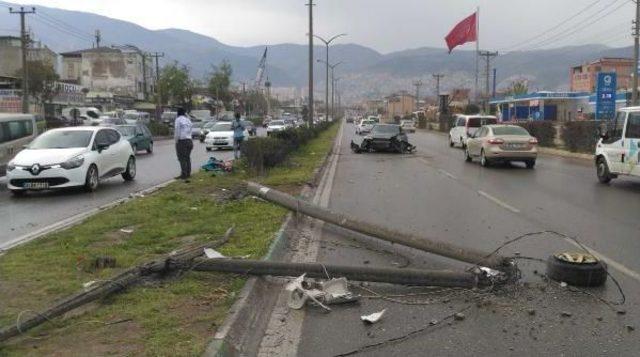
(465, 31)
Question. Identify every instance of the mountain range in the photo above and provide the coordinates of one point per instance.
(366, 73)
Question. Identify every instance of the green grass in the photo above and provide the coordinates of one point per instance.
(174, 316)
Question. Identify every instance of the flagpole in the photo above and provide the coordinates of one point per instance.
(477, 52)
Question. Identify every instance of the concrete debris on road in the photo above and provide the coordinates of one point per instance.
(373, 318)
(333, 291)
(126, 231)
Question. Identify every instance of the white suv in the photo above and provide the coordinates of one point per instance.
(618, 150)
(68, 157)
(365, 126)
(467, 125)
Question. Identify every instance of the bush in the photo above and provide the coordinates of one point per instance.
(580, 136)
(261, 153)
(160, 129)
(544, 131)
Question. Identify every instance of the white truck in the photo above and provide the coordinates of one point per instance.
(618, 149)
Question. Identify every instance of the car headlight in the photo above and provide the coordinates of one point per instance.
(11, 166)
(73, 162)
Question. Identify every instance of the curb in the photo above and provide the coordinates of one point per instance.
(233, 338)
(564, 153)
(78, 218)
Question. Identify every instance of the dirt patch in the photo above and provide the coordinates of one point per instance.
(113, 238)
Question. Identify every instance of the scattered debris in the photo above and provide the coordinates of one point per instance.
(433, 322)
(621, 312)
(531, 312)
(333, 291)
(459, 316)
(193, 208)
(373, 318)
(103, 262)
(211, 253)
(126, 231)
(566, 314)
(563, 284)
(630, 328)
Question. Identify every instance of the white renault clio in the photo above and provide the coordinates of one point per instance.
(68, 157)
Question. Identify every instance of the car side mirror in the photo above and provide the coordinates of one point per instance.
(102, 146)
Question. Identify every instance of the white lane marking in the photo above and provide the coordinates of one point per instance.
(612, 263)
(448, 174)
(499, 202)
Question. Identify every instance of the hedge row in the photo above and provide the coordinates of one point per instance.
(544, 131)
(580, 136)
(260, 153)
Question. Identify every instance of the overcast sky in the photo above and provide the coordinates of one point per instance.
(385, 25)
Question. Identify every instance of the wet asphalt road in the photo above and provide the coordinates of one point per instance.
(20, 216)
(437, 194)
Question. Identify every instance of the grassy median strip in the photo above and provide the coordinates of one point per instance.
(174, 316)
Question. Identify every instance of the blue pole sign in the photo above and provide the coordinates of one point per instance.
(606, 96)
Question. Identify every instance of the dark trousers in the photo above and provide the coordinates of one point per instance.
(183, 149)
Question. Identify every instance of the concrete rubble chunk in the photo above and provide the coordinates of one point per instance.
(459, 316)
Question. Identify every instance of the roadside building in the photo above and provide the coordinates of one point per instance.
(374, 106)
(397, 106)
(553, 106)
(583, 78)
(115, 77)
(11, 55)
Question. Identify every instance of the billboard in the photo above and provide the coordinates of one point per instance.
(606, 96)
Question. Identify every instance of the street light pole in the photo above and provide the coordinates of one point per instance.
(332, 67)
(636, 53)
(24, 47)
(326, 93)
(310, 118)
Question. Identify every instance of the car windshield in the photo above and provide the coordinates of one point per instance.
(276, 122)
(367, 122)
(62, 139)
(509, 130)
(221, 127)
(127, 130)
(478, 122)
(131, 116)
(209, 125)
(386, 129)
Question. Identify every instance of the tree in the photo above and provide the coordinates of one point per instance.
(175, 85)
(42, 81)
(518, 87)
(471, 109)
(220, 81)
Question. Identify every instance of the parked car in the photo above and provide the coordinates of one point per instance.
(16, 131)
(502, 143)
(111, 121)
(134, 117)
(220, 136)
(204, 129)
(68, 157)
(467, 125)
(275, 126)
(618, 149)
(139, 137)
(201, 115)
(365, 126)
(349, 120)
(196, 127)
(168, 117)
(408, 126)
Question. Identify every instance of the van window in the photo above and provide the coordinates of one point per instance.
(15, 129)
(615, 129)
(633, 126)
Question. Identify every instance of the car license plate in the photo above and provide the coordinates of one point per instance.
(515, 146)
(36, 185)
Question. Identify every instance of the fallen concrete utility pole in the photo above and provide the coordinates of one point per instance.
(443, 278)
(113, 285)
(448, 250)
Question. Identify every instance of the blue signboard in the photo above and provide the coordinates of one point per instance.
(606, 96)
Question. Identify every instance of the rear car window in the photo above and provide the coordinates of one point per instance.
(478, 122)
(509, 130)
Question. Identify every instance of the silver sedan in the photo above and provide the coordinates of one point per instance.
(502, 143)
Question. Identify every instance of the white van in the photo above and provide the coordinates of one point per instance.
(618, 150)
(467, 125)
(82, 115)
(16, 131)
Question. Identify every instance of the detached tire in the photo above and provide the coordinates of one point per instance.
(577, 274)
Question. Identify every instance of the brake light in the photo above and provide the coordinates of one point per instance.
(533, 141)
(496, 141)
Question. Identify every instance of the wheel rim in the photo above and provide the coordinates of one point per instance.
(483, 159)
(132, 167)
(466, 154)
(601, 169)
(93, 178)
(150, 146)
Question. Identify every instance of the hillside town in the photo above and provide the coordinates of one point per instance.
(330, 179)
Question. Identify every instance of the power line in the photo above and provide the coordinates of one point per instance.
(52, 25)
(587, 22)
(560, 24)
(65, 25)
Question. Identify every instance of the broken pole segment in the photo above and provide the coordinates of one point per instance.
(444, 249)
(444, 278)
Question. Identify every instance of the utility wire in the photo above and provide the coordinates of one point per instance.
(586, 22)
(60, 29)
(560, 24)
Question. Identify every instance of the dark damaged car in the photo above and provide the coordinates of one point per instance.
(384, 137)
